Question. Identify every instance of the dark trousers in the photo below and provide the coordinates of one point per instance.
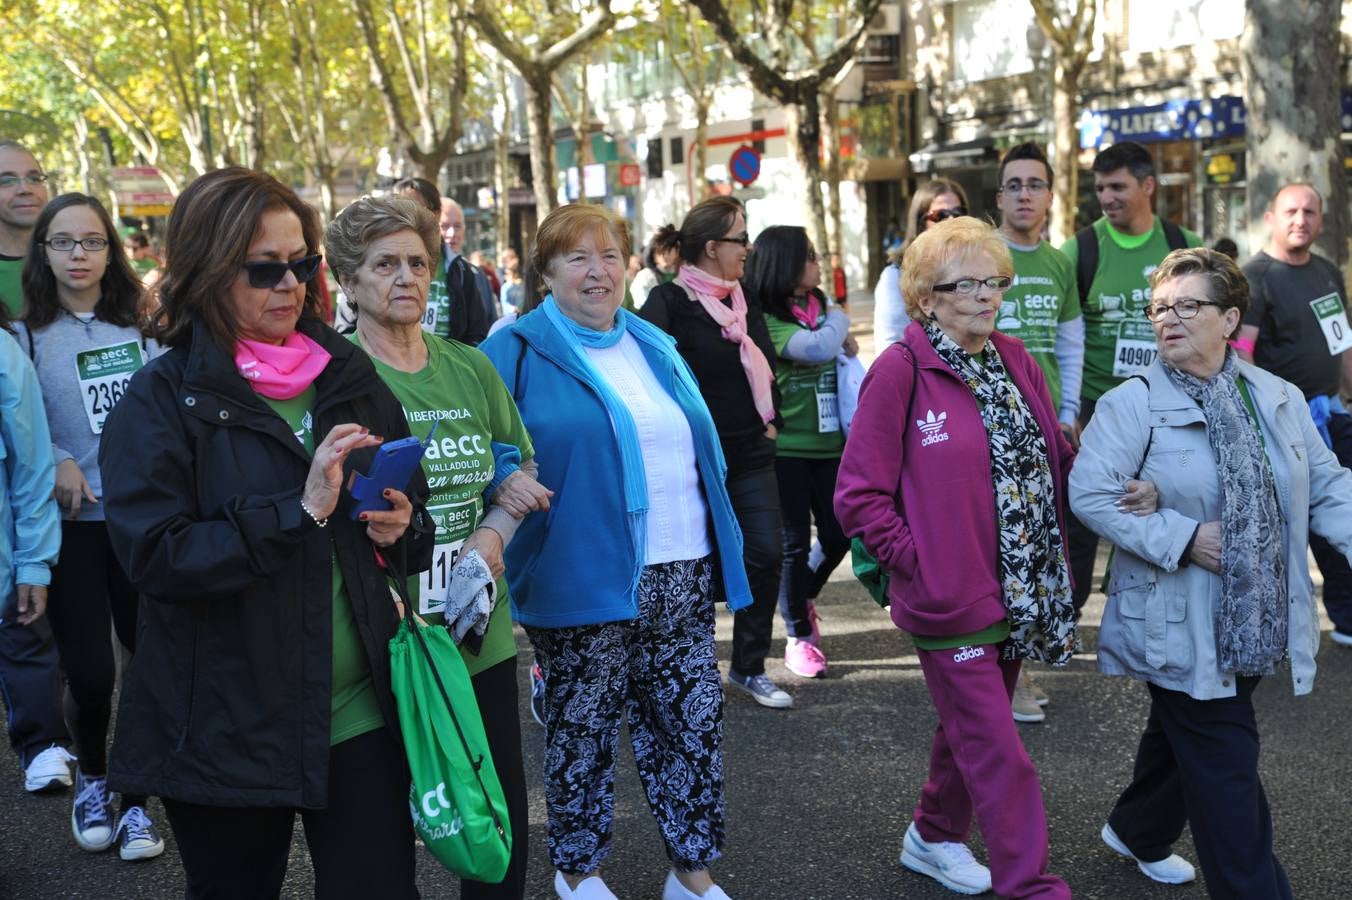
(807, 490)
(90, 595)
(1197, 764)
(361, 846)
(1332, 564)
(496, 691)
(755, 501)
(30, 679)
(1083, 541)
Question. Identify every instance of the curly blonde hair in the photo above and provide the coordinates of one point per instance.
(938, 247)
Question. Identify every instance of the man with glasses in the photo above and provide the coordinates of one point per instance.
(23, 194)
(1042, 309)
(1113, 259)
(1297, 328)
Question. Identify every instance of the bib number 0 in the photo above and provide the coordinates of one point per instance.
(1333, 322)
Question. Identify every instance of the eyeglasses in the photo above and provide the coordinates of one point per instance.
(972, 285)
(1035, 186)
(938, 215)
(1186, 308)
(743, 239)
(270, 274)
(32, 179)
(65, 244)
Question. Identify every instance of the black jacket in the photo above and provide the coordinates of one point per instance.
(470, 318)
(717, 365)
(226, 701)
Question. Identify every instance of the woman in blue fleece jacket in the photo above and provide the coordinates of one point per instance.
(615, 584)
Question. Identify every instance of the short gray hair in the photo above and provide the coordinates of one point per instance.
(369, 219)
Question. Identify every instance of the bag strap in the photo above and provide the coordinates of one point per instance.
(1086, 260)
(1173, 235)
(401, 588)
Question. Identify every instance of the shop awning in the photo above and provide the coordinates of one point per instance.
(952, 155)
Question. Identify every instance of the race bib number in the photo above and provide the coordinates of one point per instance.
(828, 412)
(1333, 320)
(104, 373)
(436, 581)
(429, 319)
(1135, 350)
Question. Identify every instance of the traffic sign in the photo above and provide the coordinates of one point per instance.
(745, 165)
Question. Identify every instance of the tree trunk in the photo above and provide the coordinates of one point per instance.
(502, 181)
(698, 181)
(1064, 152)
(328, 193)
(538, 110)
(831, 164)
(802, 128)
(1293, 112)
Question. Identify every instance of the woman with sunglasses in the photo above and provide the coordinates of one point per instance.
(807, 332)
(261, 682)
(721, 334)
(82, 331)
(937, 200)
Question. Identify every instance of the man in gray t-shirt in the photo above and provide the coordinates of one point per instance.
(1297, 328)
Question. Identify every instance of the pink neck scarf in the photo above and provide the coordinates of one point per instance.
(281, 372)
(710, 291)
(808, 315)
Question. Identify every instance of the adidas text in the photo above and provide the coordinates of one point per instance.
(967, 653)
(934, 439)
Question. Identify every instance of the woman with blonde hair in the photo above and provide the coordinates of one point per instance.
(937, 200)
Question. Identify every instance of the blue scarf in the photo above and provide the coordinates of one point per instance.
(686, 393)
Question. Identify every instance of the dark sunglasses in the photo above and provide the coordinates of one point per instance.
(940, 215)
(270, 274)
(743, 239)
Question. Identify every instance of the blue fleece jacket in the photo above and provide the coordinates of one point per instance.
(30, 526)
(574, 564)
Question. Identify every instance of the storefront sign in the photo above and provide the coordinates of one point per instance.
(1176, 120)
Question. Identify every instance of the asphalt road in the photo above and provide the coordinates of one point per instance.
(819, 796)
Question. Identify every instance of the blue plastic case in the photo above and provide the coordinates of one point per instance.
(393, 468)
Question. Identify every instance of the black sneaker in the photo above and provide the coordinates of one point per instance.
(537, 694)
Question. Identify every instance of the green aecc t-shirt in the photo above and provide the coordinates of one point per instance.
(807, 399)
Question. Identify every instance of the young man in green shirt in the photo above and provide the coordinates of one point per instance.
(23, 194)
(1129, 241)
(1042, 309)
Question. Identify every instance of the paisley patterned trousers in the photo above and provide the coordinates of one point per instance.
(659, 674)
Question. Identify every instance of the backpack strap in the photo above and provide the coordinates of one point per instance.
(1086, 260)
(1173, 235)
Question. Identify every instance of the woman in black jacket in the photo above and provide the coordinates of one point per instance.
(261, 682)
(731, 357)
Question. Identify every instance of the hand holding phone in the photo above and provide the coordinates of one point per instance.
(325, 479)
(393, 468)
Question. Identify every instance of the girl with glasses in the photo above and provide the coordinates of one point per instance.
(935, 201)
(83, 332)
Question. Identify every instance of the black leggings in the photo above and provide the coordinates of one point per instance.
(361, 845)
(497, 694)
(89, 596)
(807, 489)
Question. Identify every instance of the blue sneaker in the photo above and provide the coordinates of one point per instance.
(90, 820)
(137, 837)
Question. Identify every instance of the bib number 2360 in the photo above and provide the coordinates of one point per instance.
(104, 373)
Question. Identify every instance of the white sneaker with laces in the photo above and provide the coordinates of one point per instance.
(1173, 870)
(136, 836)
(49, 770)
(947, 862)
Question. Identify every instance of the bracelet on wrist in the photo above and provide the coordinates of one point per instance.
(309, 512)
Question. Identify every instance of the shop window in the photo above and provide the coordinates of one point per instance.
(655, 158)
(678, 151)
(758, 125)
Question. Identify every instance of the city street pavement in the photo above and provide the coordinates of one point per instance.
(818, 797)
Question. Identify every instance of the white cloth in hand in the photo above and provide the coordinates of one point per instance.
(470, 597)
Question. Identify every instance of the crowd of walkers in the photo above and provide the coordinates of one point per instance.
(618, 453)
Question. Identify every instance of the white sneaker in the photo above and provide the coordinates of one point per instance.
(589, 888)
(49, 770)
(674, 890)
(947, 862)
(1173, 870)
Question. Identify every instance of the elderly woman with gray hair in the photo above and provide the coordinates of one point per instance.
(479, 465)
(1211, 592)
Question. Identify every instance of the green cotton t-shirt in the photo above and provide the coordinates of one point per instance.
(1042, 296)
(994, 634)
(11, 284)
(1118, 340)
(437, 317)
(142, 266)
(353, 708)
(460, 389)
(807, 399)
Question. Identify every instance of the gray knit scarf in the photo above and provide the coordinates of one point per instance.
(1251, 619)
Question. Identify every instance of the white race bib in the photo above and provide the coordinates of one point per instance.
(429, 319)
(104, 373)
(828, 412)
(1333, 320)
(436, 581)
(1135, 349)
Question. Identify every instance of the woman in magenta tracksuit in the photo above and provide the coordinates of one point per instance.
(954, 477)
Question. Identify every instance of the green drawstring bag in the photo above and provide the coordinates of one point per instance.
(458, 808)
(870, 574)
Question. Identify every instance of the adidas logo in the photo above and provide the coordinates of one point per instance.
(967, 653)
(932, 427)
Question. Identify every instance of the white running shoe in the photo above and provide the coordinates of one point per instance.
(49, 770)
(589, 888)
(674, 890)
(947, 862)
(1173, 870)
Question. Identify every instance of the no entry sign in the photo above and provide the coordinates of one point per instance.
(745, 165)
